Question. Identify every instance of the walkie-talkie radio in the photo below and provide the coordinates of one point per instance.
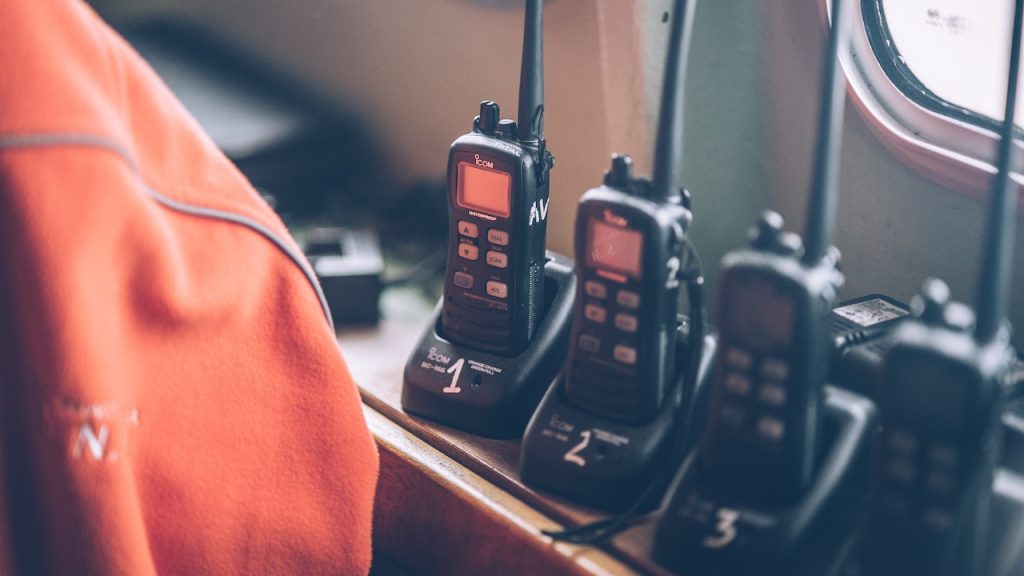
(772, 361)
(783, 459)
(944, 390)
(629, 245)
(629, 248)
(603, 429)
(498, 204)
(500, 333)
(774, 305)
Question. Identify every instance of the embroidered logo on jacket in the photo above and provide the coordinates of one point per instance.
(97, 432)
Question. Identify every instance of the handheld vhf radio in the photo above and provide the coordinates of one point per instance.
(944, 391)
(604, 427)
(630, 235)
(498, 203)
(774, 346)
(782, 467)
(629, 247)
(772, 361)
(500, 333)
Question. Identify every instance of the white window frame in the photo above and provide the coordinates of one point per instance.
(950, 152)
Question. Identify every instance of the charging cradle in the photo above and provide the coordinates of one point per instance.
(703, 531)
(603, 463)
(485, 393)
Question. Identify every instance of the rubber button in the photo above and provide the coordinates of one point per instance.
(497, 259)
(497, 289)
(628, 299)
(595, 313)
(595, 289)
(463, 280)
(468, 229)
(497, 237)
(468, 251)
(624, 354)
(589, 343)
(626, 322)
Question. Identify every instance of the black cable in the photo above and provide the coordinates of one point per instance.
(850, 339)
(698, 320)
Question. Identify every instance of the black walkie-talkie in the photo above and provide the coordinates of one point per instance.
(497, 206)
(781, 469)
(944, 391)
(630, 235)
(624, 402)
(774, 305)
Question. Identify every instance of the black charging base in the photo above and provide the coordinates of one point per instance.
(484, 393)
(349, 265)
(603, 463)
(1005, 555)
(704, 531)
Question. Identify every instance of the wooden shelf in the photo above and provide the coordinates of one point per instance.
(376, 357)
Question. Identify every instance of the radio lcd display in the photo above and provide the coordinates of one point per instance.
(484, 189)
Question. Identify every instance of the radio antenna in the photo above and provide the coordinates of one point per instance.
(668, 149)
(531, 75)
(821, 208)
(997, 255)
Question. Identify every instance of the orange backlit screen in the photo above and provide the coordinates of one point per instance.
(613, 248)
(484, 189)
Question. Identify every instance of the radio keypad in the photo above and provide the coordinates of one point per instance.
(754, 384)
(490, 277)
(622, 348)
(921, 477)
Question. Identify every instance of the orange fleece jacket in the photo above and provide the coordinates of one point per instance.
(172, 398)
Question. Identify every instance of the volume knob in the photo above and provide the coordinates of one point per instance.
(489, 114)
(506, 129)
(765, 234)
(930, 304)
(621, 173)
